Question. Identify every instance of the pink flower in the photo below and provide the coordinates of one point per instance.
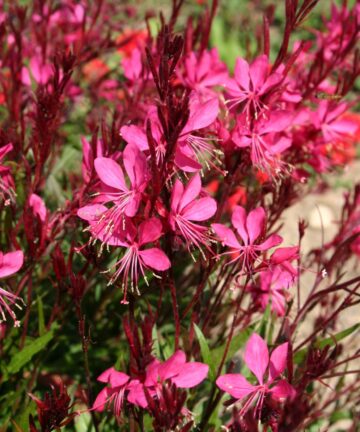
(251, 83)
(193, 151)
(137, 260)
(257, 360)
(250, 229)
(136, 135)
(38, 206)
(276, 279)
(203, 71)
(122, 387)
(191, 148)
(125, 200)
(7, 185)
(271, 289)
(328, 118)
(40, 71)
(133, 65)
(187, 209)
(10, 263)
(175, 369)
(114, 394)
(280, 261)
(264, 140)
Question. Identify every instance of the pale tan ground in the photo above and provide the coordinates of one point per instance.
(322, 229)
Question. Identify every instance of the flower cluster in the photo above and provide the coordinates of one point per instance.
(144, 175)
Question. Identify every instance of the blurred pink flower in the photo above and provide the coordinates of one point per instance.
(264, 140)
(38, 206)
(203, 71)
(251, 83)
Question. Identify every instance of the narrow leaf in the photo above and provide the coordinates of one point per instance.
(21, 358)
(205, 352)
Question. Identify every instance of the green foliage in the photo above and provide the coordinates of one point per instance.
(21, 358)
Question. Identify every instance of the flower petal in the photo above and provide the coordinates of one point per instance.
(118, 379)
(5, 149)
(135, 165)
(283, 390)
(101, 399)
(10, 263)
(278, 121)
(191, 191)
(91, 212)
(110, 173)
(190, 375)
(172, 365)
(105, 376)
(155, 259)
(136, 394)
(278, 360)
(270, 242)
(238, 219)
(242, 73)
(235, 384)
(149, 231)
(226, 236)
(176, 194)
(257, 356)
(135, 136)
(255, 223)
(185, 162)
(285, 254)
(202, 114)
(200, 210)
(259, 70)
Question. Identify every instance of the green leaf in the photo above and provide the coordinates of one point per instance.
(83, 423)
(340, 415)
(337, 337)
(300, 356)
(156, 344)
(264, 321)
(205, 352)
(21, 358)
(41, 316)
(22, 420)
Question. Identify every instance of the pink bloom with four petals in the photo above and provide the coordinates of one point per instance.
(136, 260)
(250, 228)
(186, 209)
(251, 83)
(264, 139)
(257, 360)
